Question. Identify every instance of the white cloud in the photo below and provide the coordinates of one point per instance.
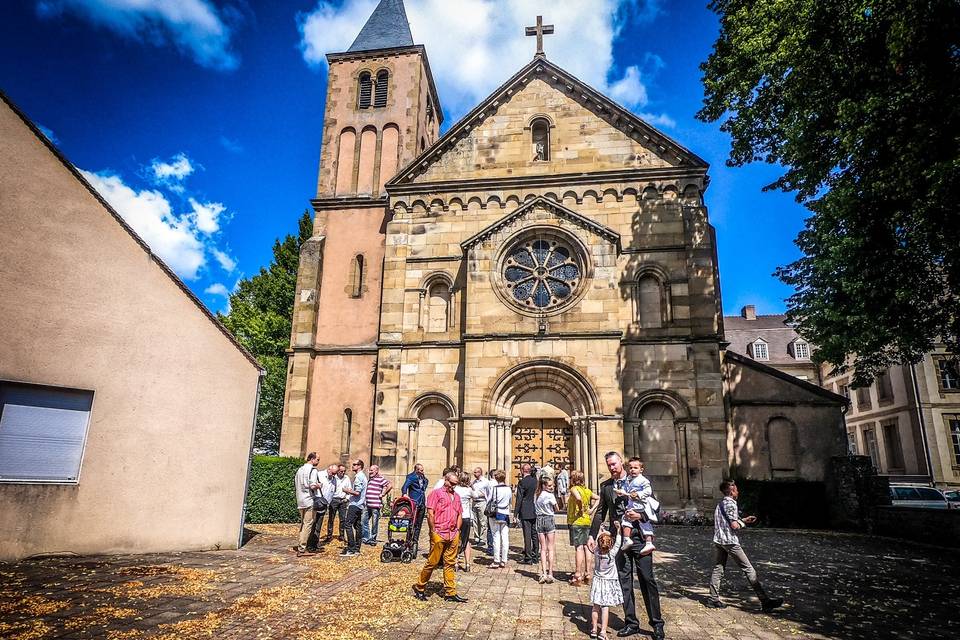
(171, 236)
(227, 263)
(206, 215)
(48, 134)
(217, 289)
(178, 168)
(196, 27)
(474, 45)
(659, 119)
(629, 89)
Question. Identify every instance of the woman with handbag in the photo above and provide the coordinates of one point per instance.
(581, 504)
(498, 514)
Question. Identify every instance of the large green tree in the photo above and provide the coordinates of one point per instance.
(859, 101)
(260, 316)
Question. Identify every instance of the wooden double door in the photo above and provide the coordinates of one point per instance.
(541, 442)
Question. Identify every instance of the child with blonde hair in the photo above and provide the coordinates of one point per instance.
(639, 491)
(605, 591)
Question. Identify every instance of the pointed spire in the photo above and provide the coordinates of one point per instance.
(387, 28)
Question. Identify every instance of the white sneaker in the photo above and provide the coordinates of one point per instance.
(626, 544)
(648, 548)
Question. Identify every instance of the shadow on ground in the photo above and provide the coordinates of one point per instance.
(841, 586)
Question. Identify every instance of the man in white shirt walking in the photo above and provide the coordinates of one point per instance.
(303, 486)
(726, 543)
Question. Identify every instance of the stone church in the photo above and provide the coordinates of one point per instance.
(538, 283)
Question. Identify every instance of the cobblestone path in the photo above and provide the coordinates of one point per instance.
(836, 586)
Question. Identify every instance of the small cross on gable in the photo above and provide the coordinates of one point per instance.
(540, 30)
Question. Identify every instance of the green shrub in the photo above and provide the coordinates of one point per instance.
(271, 497)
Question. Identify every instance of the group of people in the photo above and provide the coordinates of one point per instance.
(613, 528)
(356, 501)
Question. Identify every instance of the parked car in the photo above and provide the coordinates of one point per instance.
(953, 498)
(905, 495)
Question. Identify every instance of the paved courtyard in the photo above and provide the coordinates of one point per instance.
(836, 586)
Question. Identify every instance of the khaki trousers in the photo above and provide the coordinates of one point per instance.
(441, 551)
(306, 526)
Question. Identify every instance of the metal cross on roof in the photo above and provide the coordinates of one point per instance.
(539, 31)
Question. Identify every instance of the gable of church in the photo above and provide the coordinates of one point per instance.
(585, 133)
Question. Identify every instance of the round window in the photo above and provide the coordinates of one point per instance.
(541, 274)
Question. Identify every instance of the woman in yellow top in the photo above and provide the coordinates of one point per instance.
(581, 503)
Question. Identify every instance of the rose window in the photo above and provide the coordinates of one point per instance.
(541, 274)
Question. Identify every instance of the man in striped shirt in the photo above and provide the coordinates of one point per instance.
(726, 543)
(377, 488)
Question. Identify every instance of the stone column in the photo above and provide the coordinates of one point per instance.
(412, 444)
(506, 437)
(452, 450)
(421, 310)
(577, 451)
(493, 449)
(594, 477)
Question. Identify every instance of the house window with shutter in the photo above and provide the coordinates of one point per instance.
(365, 90)
(383, 87)
(43, 431)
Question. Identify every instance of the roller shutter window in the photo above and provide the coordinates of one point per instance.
(42, 432)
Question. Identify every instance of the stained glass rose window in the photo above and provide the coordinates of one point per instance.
(541, 274)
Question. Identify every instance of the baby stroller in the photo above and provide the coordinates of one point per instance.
(400, 531)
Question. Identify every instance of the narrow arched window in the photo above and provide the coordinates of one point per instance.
(356, 276)
(540, 137)
(649, 302)
(438, 310)
(345, 434)
(365, 90)
(383, 87)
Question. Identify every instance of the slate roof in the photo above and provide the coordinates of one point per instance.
(773, 329)
(387, 28)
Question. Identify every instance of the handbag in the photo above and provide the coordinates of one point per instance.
(492, 506)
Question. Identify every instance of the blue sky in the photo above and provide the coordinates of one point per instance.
(201, 120)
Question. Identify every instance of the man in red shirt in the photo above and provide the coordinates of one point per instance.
(444, 517)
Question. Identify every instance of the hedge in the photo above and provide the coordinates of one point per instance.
(271, 497)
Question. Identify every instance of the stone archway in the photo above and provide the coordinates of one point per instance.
(544, 411)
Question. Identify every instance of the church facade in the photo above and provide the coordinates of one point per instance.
(539, 283)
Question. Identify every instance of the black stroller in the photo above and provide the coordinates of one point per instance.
(400, 532)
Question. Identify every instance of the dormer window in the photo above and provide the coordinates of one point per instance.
(365, 90)
(801, 350)
(759, 350)
(540, 137)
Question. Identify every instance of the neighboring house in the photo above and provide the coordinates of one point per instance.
(770, 340)
(780, 427)
(126, 409)
(907, 420)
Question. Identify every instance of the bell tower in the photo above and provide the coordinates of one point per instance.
(382, 110)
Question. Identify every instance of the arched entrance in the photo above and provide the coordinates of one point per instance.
(545, 413)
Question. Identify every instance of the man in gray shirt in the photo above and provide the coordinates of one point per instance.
(356, 497)
(726, 543)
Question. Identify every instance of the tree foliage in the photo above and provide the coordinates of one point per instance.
(260, 316)
(858, 100)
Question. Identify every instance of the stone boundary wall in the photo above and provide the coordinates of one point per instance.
(931, 526)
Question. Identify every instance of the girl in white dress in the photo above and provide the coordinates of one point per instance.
(605, 591)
